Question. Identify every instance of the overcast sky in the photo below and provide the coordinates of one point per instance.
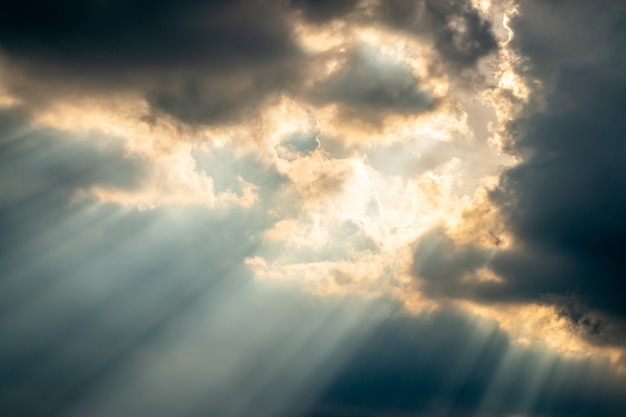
(313, 208)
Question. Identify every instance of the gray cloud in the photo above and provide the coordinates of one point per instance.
(567, 197)
(582, 319)
(193, 57)
(368, 86)
(106, 311)
(321, 11)
(445, 266)
(565, 201)
(460, 35)
(216, 62)
(220, 99)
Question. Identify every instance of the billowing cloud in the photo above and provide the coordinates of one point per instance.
(324, 10)
(459, 31)
(566, 197)
(563, 202)
(190, 58)
(190, 61)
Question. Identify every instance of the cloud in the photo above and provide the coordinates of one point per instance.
(460, 34)
(369, 85)
(322, 11)
(191, 57)
(563, 203)
(566, 198)
(114, 37)
(191, 61)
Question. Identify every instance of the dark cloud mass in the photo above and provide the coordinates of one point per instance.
(565, 202)
(568, 197)
(216, 62)
(323, 10)
(460, 34)
(370, 86)
(183, 53)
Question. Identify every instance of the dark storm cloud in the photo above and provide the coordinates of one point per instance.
(459, 33)
(204, 62)
(121, 35)
(528, 274)
(370, 86)
(212, 62)
(219, 99)
(568, 196)
(320, 11)
(117, 36)
(450, 269)
(565, 202)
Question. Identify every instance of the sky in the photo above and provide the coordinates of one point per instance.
(313, 208)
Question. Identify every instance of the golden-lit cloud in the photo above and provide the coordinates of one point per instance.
(540, 325)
